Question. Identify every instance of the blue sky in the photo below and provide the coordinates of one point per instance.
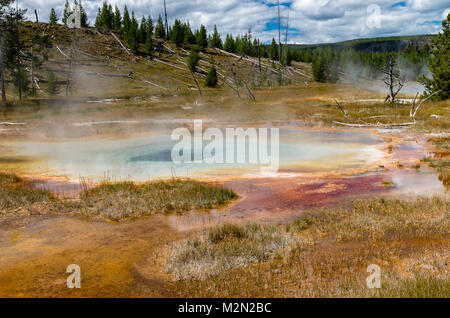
(310, 21)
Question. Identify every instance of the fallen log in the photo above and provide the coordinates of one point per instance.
(378, 125)
(414, 109)
(123, 46)
(62, 53)
(154, 84)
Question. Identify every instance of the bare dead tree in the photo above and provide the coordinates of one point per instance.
(2, 80)
(33, 89)
(2, 77)
(285, 40)
(259, 57)
(166, 23)
(392, 79)
(250, 94)
(236, 89)
(279, 32)
(196, 83)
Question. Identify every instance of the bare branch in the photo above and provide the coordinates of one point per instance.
(421, 103)
(341, 108)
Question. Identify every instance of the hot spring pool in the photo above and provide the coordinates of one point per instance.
(146, 157)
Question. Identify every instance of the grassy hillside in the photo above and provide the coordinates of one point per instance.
(103, 66)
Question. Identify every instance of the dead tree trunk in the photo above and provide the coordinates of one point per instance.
(250, 94)
(33, 90)
(392, 79)
(259, 57)
(166, 23)
(69, 73)
(279, 32)
(19, 79)
(234, 79)
(196, 83)
(2, 79)
(285, 41)
(341, 108)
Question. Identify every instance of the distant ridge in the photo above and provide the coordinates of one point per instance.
(380, 44)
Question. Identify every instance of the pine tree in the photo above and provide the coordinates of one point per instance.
(4, 27)
(189, 38)
(142, 33)
(117, 22)
(66, 12)
(53, 17)
(84, 17)
(177, 33)
(319, 69)
(229, 44)
(439, 65)
(193, 59)
(126, 21)
(106, 17)
(211, 78)
(13, 45)
(160, 30)
(52, 83)
(202, 38)
(216, 41)
(150, 27)
(132, 35)
(274, 50)
(148, 47)
(98, 19)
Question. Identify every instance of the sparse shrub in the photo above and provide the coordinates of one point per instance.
(227, 247)
(300, 224)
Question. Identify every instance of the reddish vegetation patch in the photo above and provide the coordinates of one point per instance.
(300, 193)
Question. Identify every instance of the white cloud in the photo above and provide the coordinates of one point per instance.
(313, 21)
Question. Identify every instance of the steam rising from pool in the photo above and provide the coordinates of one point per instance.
(147, 157)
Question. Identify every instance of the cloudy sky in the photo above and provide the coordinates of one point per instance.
(310, 21)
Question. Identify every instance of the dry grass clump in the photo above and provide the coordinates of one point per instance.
(116, 201)
(17, 197)
(387, 220)
(228, 247)
(408, 240)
